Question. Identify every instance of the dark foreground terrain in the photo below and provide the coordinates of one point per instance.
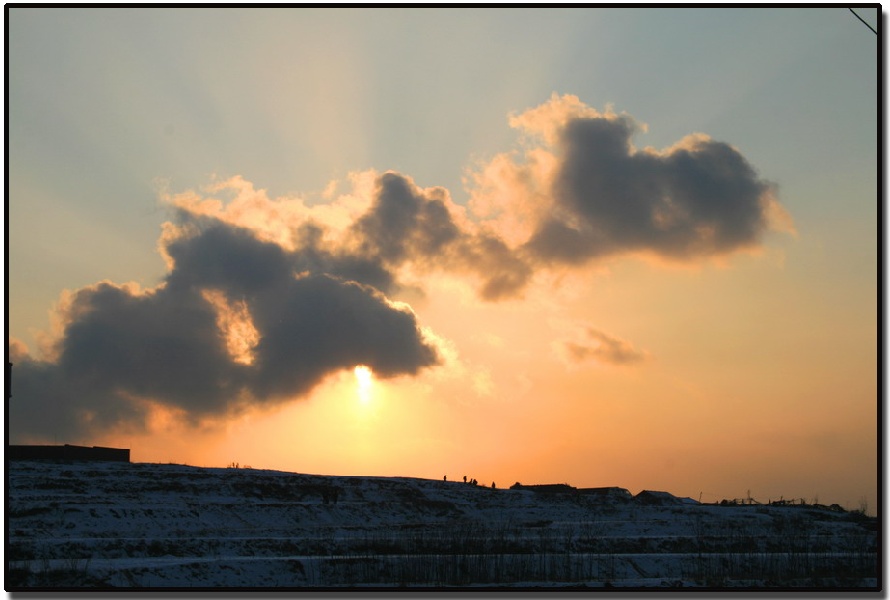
(143, 525)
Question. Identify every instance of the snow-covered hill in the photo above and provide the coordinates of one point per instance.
(159, 526)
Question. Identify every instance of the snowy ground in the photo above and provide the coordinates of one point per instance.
(158, 526)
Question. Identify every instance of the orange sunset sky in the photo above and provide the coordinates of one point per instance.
(605, 247)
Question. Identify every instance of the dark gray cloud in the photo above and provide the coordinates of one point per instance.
(697, 199)
(404, 224)
(119, 345)
(504, 272)
(220, 255)
(315, 258)
(317, 324)
(163, 344)
(46, 405)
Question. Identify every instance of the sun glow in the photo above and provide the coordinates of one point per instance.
(364, 379)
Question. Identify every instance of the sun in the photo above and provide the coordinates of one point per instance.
(364, 379)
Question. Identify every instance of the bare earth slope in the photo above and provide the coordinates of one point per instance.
(159, 526)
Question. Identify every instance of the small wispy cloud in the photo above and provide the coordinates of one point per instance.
(592, 345)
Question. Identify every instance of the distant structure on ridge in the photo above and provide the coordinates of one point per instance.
(68, 453)
(62, 453)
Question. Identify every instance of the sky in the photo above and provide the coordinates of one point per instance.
(601, 246)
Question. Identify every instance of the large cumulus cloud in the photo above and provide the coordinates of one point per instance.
(265, 298)
(698, 199)
(121, 349)
(603, 197)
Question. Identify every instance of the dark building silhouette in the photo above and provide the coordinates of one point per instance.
(546, 488)
(68, 452)
(654, 498)
(608, 493)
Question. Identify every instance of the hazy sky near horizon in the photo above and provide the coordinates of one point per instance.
(632, 247)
